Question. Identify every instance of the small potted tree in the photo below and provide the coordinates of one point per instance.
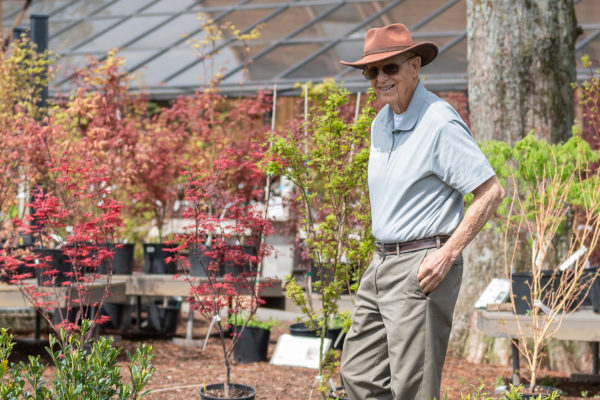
(543, 181)
(223, 217)
(327, 161)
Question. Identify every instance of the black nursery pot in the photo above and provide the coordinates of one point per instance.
(154, 259)
(164, 319)
(522, 292)
(245, 388)
(299, 329)
(58, 261)
(331, 395)
(122, 261)
(236, 269)
(252, 346)
(199, 260)
(595, 295)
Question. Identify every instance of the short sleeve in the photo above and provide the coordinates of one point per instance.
(457, 159)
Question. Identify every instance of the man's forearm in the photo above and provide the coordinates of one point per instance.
(487, 199)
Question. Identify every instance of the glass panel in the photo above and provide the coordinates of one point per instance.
(453, 19)
(169, 6)
(409, 12)
(54, 27)
(452, 61)
(79, 32)
(268, 1)
(325, 65)
(46, 6)
(227, 59)
(350, 51)
(283, 24)
(216, 3)
(123, 33)
(11, 6)
(338, 23)
(158, 69)
(169, 33)
(80, 9)
(592, 49)
(279, 59)
(124, 7)
(588, 12)
(65, 68)
(241, 19)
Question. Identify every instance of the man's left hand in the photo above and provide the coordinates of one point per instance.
(433, 269)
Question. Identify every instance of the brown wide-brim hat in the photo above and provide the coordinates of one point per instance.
(389, 41)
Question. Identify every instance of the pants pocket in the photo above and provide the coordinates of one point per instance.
(416, 272)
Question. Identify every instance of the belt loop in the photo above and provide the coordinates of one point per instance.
(397, 248)
(437, 241)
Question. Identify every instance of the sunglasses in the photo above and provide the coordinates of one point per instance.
(388, 69)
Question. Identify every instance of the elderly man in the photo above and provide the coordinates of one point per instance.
(423, 161)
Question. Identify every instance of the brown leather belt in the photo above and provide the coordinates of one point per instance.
(392, 249)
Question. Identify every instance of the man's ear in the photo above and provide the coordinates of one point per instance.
(416, 65)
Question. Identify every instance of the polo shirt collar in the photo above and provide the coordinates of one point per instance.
(413, 112)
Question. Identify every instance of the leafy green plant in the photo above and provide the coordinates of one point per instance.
(327, 159)
(254, 322)
(553, 191)
(84, 370)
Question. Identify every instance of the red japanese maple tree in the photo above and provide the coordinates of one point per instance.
(86, 228)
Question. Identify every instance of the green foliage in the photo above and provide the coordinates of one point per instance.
(531, 161)
(329, 170)
(254, 322)
(84, 370)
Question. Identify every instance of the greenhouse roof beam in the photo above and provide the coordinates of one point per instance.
(103, 31)
(339, 40)
(287, 37)
(229, 41)
(433, 15)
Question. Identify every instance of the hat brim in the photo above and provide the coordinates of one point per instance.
(427, 51)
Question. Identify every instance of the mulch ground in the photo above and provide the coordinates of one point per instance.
(180, 370)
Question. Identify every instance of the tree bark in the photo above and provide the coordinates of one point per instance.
(521, 65)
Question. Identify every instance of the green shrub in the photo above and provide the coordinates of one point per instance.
(254, 322)
(84, 370)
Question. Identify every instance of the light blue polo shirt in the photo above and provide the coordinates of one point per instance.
(419, 172)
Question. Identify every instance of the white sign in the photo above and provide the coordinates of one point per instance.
(495, 293)
(297, 351)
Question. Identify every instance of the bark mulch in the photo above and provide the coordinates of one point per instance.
(180, 371)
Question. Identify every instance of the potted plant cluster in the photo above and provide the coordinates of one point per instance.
(327, 159)
(546, 183)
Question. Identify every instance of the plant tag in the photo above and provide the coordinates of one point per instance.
(215, 318)
(150, 249)
(574, 257)
(545, 309)
(297, 351)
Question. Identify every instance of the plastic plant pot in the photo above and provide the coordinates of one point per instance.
(234, 386)
(596, 296)
(58, 261)
(164, 319)
(300, 329)
(199, 260)
(522, 291)
(122, 261)
(236, 269)
(252, 346)
(154, 259)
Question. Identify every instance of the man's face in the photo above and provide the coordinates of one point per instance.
(398, 88)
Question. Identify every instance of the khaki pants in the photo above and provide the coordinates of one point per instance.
(397, 345)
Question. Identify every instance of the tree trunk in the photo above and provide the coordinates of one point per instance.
(521, 65)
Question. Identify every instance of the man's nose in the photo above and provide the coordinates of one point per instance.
(381, 76)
